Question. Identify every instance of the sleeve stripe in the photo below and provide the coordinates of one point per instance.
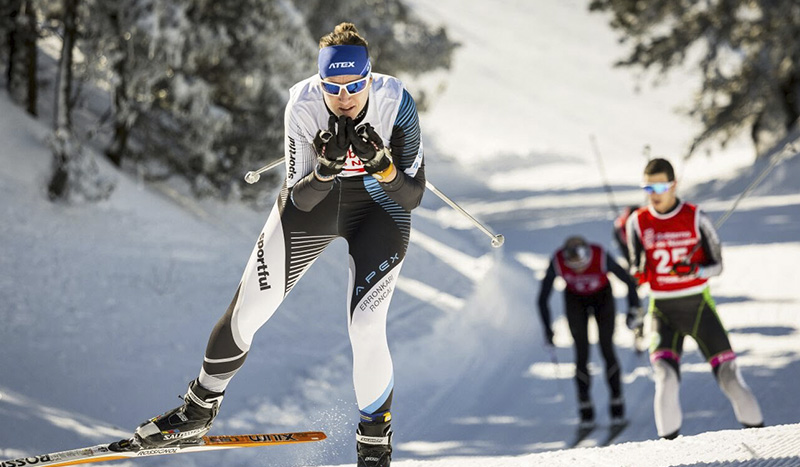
(408, 120)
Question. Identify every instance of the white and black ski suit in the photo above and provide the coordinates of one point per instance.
(373, 217)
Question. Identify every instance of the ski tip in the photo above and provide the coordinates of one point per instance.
(304, 436)
(264, 439)
(316, 435)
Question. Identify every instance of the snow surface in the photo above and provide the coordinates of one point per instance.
(107, 308)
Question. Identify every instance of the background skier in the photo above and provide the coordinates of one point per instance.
(585, 267)
(675, 248)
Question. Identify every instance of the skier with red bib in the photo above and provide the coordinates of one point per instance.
(675, 248)
(585, 267)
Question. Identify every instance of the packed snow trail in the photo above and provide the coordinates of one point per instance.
(107, 308)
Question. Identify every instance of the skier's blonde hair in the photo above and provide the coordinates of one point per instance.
(343, 34)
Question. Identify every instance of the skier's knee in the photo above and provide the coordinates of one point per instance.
(730, 379)
(723, 362)
(726, 371)
(663, 361)
(666, 374)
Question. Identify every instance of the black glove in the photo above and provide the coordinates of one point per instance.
(331, 146)
(635, 318)
(548, 337)
(368, 146)
(685, 269)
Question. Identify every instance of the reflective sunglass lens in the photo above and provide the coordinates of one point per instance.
(356, 87)
(658, 188)
(330, 88)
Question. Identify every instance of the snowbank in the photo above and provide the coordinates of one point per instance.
(765, 447)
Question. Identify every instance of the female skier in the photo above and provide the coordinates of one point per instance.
(354, 169)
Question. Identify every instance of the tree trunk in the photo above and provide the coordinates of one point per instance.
(29, 34)
(791, 99)
(122, 105)
(13, 50)
(29, 38)
(21, 71)
(59, 183)
(116, 149)
(63, 118)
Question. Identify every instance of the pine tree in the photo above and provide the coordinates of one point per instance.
(75, 174)
(120, 51)
(749, 58)
(198, 86)
(240, 58)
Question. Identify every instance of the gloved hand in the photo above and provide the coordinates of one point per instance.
(635, 318)
(640, 277)
(368, 146)
(686, 269)
(331, 146)
(548, 337)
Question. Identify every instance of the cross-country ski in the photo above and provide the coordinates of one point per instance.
(581, 434)
(597, 435)
(126, 449)
(614, 430)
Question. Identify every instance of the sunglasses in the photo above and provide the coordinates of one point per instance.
(657, 188)
(353, 87)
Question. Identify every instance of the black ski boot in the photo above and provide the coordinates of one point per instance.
(374, 440)
(617, 411)
(586, 424)
(586, 412)
(183, 424)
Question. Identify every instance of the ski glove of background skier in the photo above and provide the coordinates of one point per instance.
(686, 269)
(331, 146)
(369, 147)
(635, 318)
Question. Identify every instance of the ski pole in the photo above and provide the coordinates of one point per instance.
(789, 148)
(756, 182)
(497, 240)
(601, 166)
(554, 360)
(254, 175)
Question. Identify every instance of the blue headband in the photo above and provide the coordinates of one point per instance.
(338, 60)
